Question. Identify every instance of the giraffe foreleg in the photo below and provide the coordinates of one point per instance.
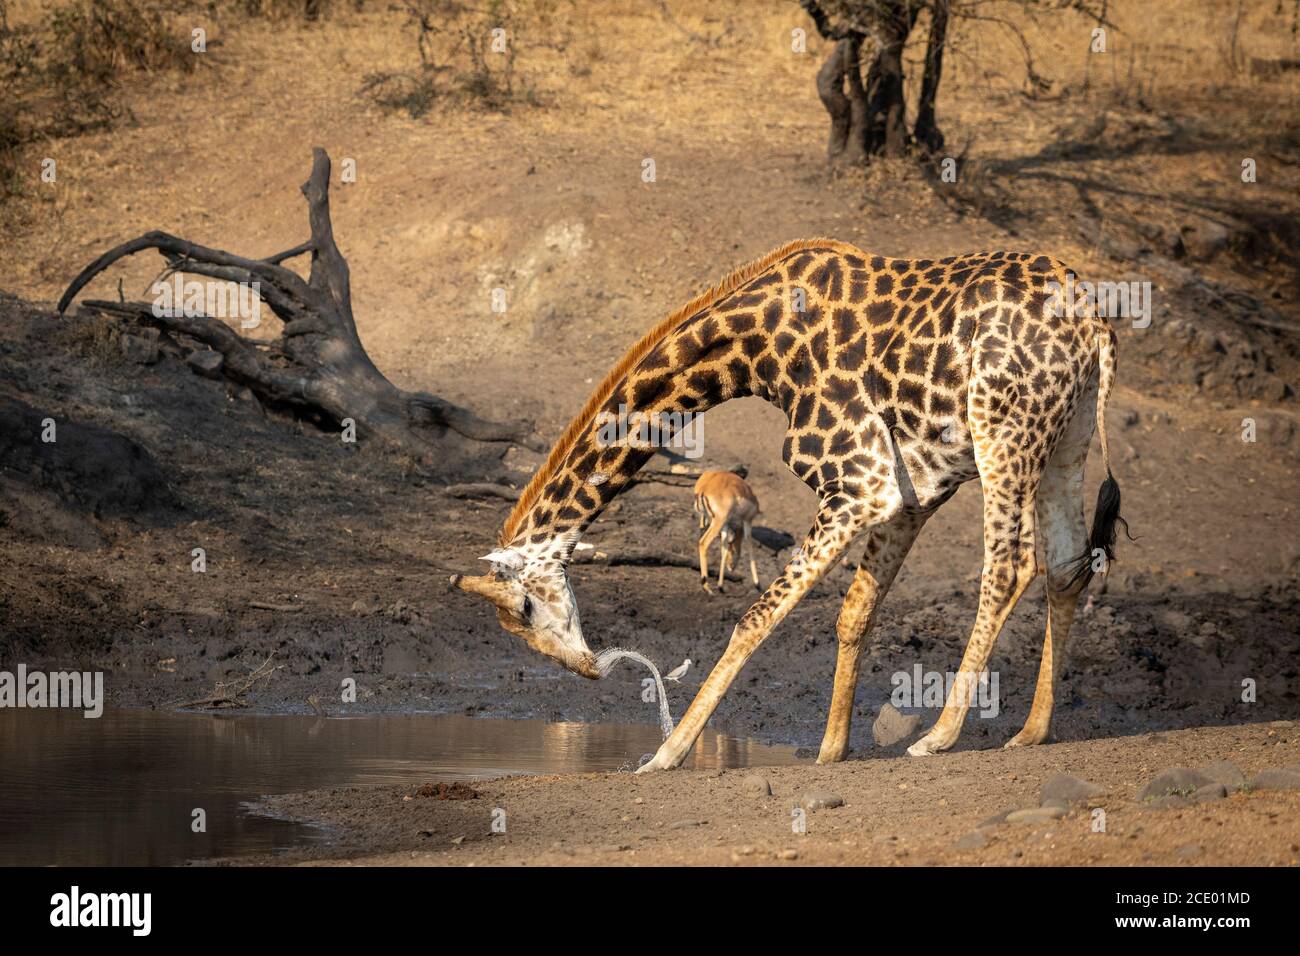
(838, 522)
(887, 546)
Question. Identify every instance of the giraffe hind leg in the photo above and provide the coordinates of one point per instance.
(1012, 448)
(1061, 525)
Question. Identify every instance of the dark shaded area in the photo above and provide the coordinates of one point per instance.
(91, 469)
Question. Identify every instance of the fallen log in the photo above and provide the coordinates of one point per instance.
(318, 363)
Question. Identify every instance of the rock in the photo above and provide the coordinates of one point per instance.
(205, 362)
(1226, 773)
(1064, 790)
(140, 348)
(1203, 239)
(756, 784)
(686, 824)
(1276, 780)
(892, 725)
(972, 841)
(1209, 793)
(820, 800)
(614, 848)
(1176, 780)
(1036, 815)
(788, 855)
(996, 820)
(1189, 851)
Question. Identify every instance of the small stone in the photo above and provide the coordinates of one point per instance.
(1036, 815)
(820, 800)
(686, 824)
(997, 819)
(206, 362)
(1209, 793)
(972, 841)
(893, 726)
(756, 784)
(140, 348)
(1276, 780)
(614, 848)
(744, 850)
(1176, 780)
(788, 855)
(1226, 773)
(1063, 789)
(1204, 238)
(1189, 851)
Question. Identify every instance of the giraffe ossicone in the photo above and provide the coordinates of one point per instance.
(900, 379)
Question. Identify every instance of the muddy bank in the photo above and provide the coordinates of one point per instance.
(949, 809)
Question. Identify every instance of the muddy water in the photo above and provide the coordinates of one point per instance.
(123, 788)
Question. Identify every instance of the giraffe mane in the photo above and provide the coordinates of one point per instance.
(635, 354)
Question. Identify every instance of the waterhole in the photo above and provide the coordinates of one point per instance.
(124, 789)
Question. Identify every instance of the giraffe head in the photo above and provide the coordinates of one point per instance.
(533, 600)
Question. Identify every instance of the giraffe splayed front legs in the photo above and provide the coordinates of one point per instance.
(900, 379)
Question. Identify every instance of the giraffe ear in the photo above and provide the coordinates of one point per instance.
(506, 557)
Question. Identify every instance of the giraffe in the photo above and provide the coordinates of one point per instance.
(901, 379)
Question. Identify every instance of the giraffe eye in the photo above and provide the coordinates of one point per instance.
(527, 610)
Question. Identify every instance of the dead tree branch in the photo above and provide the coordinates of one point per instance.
(230, 693)
(318, 363)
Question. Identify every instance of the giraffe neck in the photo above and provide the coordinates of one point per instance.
(692, 369)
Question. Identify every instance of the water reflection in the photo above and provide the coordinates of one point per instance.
(122, 789)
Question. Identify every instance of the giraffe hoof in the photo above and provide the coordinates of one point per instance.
(657, 762)
(1023, 739)
(923, 748)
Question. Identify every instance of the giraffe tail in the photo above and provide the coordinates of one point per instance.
(1106, 519)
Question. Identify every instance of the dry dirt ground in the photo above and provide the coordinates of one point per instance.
(1134, 173)
(895, 811)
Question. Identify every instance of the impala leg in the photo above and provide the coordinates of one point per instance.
(724, 554)
(706, 539)
(838, 522)
(749, 550)
(887, 546)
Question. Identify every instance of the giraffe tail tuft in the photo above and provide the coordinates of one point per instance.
(1106, 519)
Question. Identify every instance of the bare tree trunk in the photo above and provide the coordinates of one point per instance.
(885, 104)
(318, 363)
(926, 130)
(848, 113)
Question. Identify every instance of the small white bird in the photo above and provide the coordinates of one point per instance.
(677, 673)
